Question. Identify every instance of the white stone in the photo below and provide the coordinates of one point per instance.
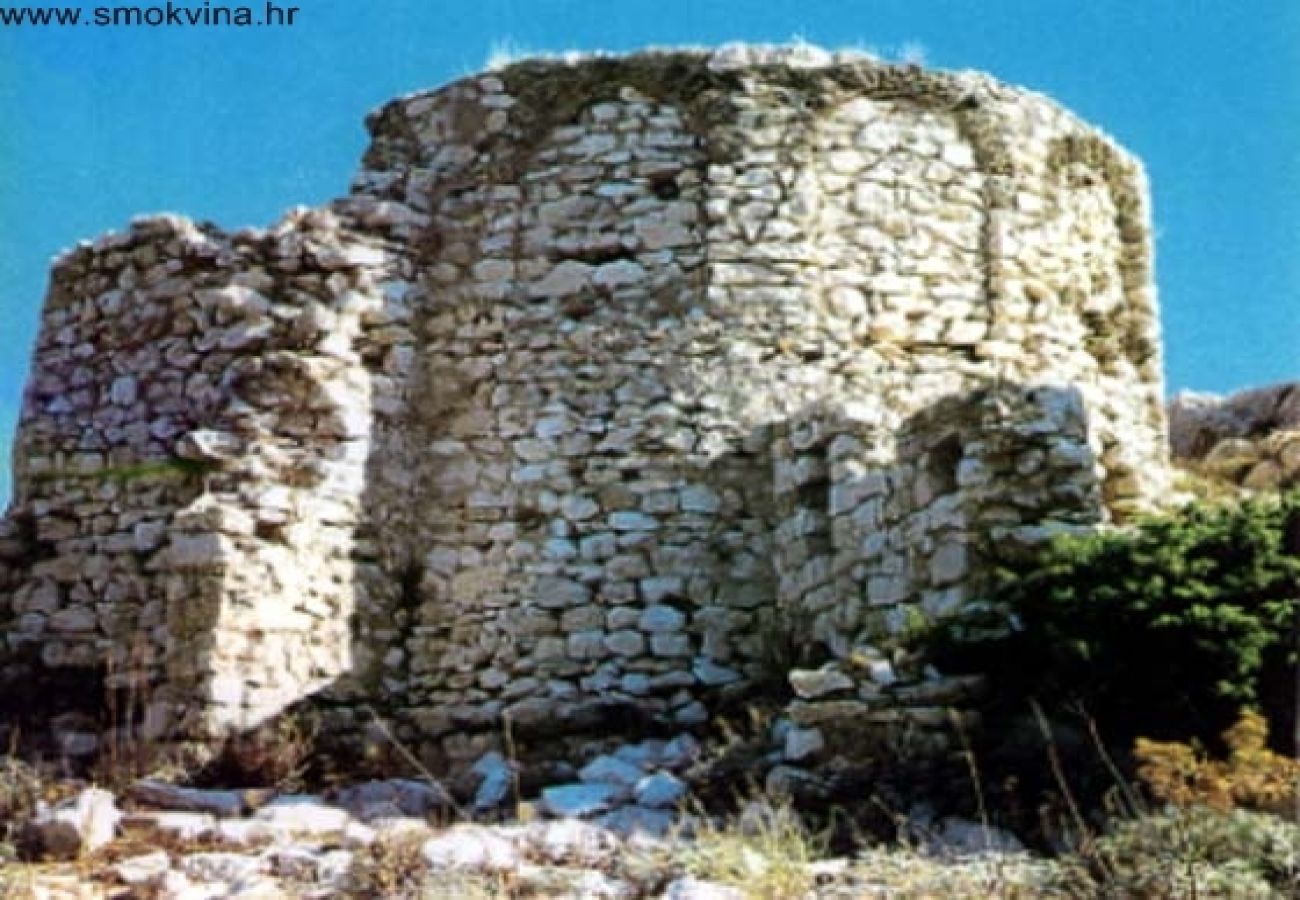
(690, 888)
(471, 847)
(81, 824)
(144, 869)
(812, 684)
(572, 842)
(304, 814)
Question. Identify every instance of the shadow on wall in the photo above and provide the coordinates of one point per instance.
(831, 535)
(808, 539)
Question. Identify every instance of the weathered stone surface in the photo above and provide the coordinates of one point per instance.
(581, 800)
(497, 781)
(662, 790)
(611, 770)
(812, 684)
(1251, 438)
(471, 847)
(161, 795)
(81, 824)
(571, 842)
(690, 888)
(547, 415)
(406, 796)
(304, 814)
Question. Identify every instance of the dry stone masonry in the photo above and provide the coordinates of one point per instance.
(610, 379)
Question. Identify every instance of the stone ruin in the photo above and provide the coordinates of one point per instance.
(612, 385)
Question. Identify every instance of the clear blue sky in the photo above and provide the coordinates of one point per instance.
(235, 125)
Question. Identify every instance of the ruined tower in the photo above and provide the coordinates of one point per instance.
(603, 370)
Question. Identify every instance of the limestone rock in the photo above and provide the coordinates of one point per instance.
(81, 824)
(471, 847)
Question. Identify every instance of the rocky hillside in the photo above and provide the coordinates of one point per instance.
(1251, 438)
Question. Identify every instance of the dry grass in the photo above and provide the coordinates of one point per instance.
(767, 852)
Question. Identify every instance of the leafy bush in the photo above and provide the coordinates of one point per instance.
(1252, 776)
(1164, 629)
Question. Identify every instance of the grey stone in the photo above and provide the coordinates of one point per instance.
(227, 868)
(657, 619)
(638, 821)
(812, 684)
(161, 795)
(581, 800)
(498, 780)
(803, 743)
(611, 770)
(661, 790)
(407, 796)
(954, 836)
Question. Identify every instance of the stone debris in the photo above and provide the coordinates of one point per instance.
(76, 826)
(662, 790)
(472, 847)
(582, 799)
(633, 851)
(161, 795)
(694, 889)
(394, 798)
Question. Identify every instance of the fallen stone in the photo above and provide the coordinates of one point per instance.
(185, 826)
(689, 888)
(304, 814)
(632, 822)
(258, 888)
(802, 743)
(81, 824)
(403, 796)
(644, 755)
(550, 881)
(579, 800)
(680, 752)
(161, 795)
(228, 868)
(147, 868)
(498, 779)
(571, 842)
(955, 836)
(661, 790)
(471, 847)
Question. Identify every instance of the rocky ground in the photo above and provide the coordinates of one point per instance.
(625, 827)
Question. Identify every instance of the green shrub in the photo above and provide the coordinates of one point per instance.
(1200, 852)
(1165, 629)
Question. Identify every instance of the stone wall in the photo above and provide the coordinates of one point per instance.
(604, 370)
